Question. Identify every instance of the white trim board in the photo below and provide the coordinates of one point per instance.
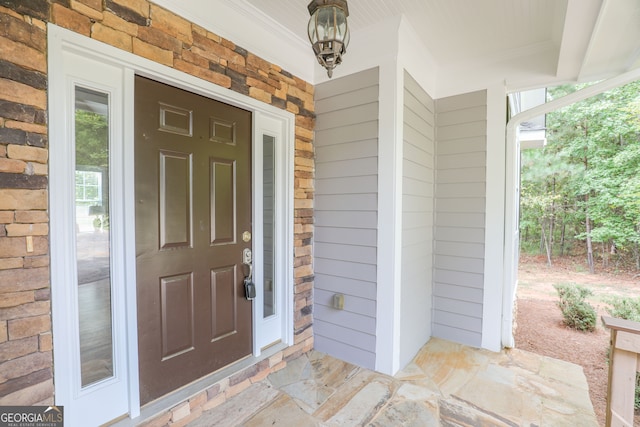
(65, 76)
(494, 264)
(389, 273)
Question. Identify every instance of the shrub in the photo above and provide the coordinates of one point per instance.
(636, 402)
(577, 312)
(624, 308)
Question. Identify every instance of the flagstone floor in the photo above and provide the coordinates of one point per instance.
(446, 384)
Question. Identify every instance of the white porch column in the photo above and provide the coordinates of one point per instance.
(389, 218)
(495, 218)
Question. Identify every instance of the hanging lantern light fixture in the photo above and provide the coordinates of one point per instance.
(328, 31)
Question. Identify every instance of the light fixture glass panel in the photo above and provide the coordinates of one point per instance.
(341, 25)
(332, 23)
(324, 24)
(311, 30)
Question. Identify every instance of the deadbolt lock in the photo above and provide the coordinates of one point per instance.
(247, 256)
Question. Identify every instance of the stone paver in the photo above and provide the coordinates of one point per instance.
(283, 411)
(364, 406)
(240, 407)
(446, 384)
(407, 414)
(345, 393)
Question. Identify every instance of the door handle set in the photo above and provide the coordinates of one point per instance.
(249, 286)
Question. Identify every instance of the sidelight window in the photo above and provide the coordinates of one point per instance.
(93, 238)
(268, 194)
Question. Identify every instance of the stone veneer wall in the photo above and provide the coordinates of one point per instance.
(147, 30)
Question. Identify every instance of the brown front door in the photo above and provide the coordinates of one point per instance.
(193, 204)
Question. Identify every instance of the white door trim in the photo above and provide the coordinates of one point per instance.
(127, 66)
(265, 329)
(69, 72)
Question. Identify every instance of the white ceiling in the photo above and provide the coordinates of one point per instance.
(524, 43)
(458, 33)
(450, 29)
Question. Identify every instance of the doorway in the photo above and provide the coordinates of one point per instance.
(193, 222)
(90, 76)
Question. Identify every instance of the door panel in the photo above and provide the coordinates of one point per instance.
(176, 295)
(223, 227)
(223, 302)
(175, 199)
(193, 197)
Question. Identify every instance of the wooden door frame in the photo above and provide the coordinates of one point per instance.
(264, 117)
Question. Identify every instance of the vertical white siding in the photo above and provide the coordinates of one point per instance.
(460, 217)
(346, 216)
(417, 219)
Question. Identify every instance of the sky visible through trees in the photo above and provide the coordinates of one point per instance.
(580, 194)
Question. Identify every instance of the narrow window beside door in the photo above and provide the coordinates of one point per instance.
(93, 235)
(268, 181)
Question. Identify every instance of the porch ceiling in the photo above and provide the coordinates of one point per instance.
(525, 43)
(573, 39)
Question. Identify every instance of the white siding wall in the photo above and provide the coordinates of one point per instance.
(417, 219)
(460, 217)
(346, 217)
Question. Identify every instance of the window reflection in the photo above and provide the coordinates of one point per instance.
(268, 179)
(92, 234)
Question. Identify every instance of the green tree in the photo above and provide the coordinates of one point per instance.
(92, 136)
(587, 179)
(92, 154)
(543, 198)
